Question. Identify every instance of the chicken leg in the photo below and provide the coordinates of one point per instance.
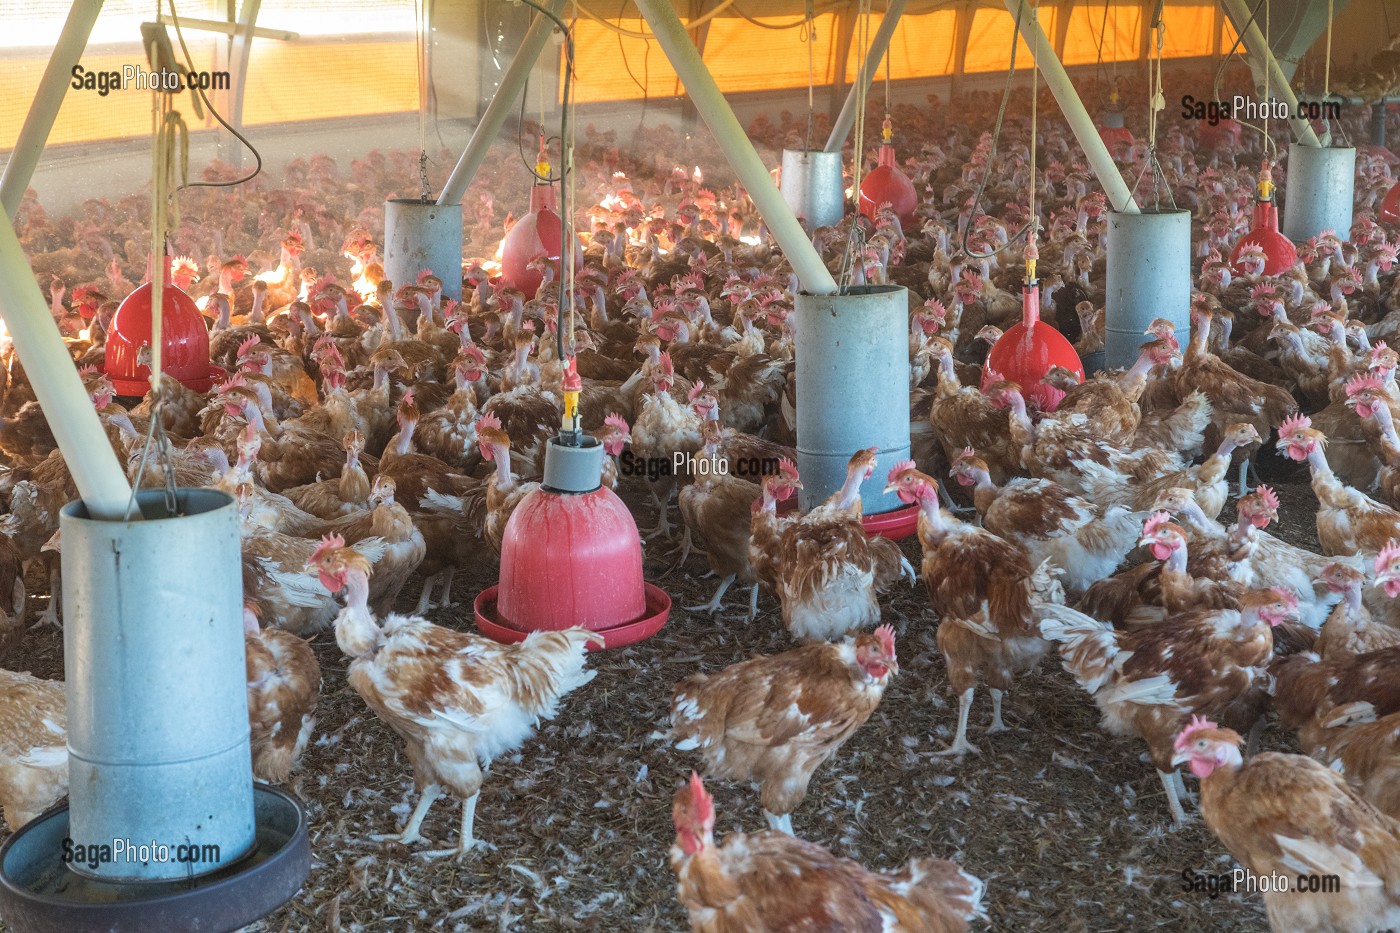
(713, 605)
(997, 725)
(410, 832)
(1169, 779)
(782, 824)
(465, 840)
(961, 746)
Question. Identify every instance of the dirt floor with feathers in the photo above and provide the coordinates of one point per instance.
(1067, 825)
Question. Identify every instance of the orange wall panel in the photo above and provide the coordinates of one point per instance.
(290, 81)
(989, 42)
(1119, 34)
(602, 59)
(922, 46)
(745, 57)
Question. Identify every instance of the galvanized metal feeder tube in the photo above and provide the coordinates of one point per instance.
(852, 389)
(813, 186)
(422, 235)
(158, 739)
(1318, 191)
(1149, 276)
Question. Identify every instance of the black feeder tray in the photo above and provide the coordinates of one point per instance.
(39, 894)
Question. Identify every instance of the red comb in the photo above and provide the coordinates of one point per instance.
(1156, 522)
(1298, 422)
(618, 422)
(1268, 497)
(787, 467)
(886, 635)
(1363, 383)
(1387, 555)
(328, 543)
(1198, 723)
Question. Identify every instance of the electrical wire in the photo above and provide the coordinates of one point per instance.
(189, 63)
(814, 11)
(631, 33)
(992, 152)
(644, 84)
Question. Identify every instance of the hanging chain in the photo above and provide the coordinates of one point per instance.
(854, 250)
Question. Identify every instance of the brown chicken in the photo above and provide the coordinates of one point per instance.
(33, 746)
(1147, 682)
(715, 507)
(457, 700)
(985, 594)
(284, 684)
(770, 882)
(826, 566)
(774, 720)
(1290, 816)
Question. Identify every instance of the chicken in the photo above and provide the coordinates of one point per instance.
(663, 428)
(770, 882)
(1348, 521)
(286, 594)
(457, 700)
(1290, 815)
(825, 564)
(1350, 629)
(714, 508)
(284, 684)
(1110, 402)
(961, 416)
(1209, 481)
(766, 526)
(775, 720)
(13, 596)
(1048, 521)
(1059, 448)
(503, 491)
(33, 746)
(1148, 681)
(1316, 697)
(984, 591)
(341, 495)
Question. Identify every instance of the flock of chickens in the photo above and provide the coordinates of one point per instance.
(374, 433)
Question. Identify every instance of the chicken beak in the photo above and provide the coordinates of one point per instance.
(1180, 758)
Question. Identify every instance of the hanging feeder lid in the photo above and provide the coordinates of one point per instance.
(184, 353)
(1029, 350)
(888, 183)
(1390, 205)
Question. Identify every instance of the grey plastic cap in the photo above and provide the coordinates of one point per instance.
(573, 469)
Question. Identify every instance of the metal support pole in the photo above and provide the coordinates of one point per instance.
(1278, 81)
(49, 97)
(878, 46)
(1119, 197)
(816, 279)
(99, 477)
(242, 53)
(512, 86)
